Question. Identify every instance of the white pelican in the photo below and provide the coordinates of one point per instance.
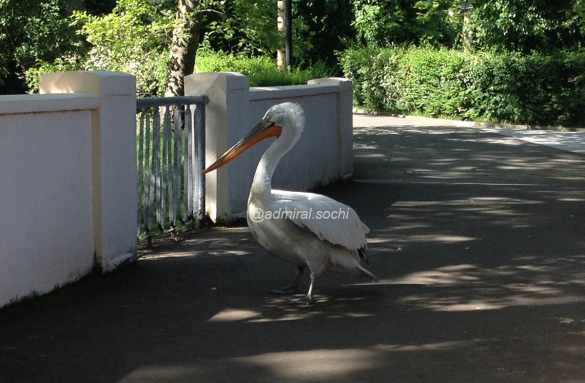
(310, 230)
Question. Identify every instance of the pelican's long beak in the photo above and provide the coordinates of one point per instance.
(262, 130)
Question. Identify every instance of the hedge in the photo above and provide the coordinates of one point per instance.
(261, 71)
(152, 73)
(533, 88)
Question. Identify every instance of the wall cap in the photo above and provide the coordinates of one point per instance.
(44, 103)
(233, 80)
(289, 91)
(101, 83)
(342, 82)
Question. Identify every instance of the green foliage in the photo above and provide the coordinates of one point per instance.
(31, 31)
(246, 26)
(580, 10)
(512, 87)
(133, 38)
(261, 71)
(493, 24)
(388, 22)
(526, 24)
(321, 27)
(38, 36)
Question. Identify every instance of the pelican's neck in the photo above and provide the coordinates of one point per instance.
(262, 184)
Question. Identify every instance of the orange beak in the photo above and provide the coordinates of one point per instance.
(260, 132)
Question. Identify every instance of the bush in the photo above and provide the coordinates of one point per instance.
(31, 31)
(133, 38)
(508, 87)
(384, 22)
(261, 71)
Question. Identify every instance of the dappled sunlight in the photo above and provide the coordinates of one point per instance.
(429, 154)
(296, 308)
(478, 245)
(442, 182)
(446, 276)
(482, 193)
(454, 303)
(316, 365)
(471, 287)
(366, 146)
(230, 315)
(377, 240)
(375, 131)
(372, 155)
(190, 253)
(571, 199)
(409, 218)
(498, 141)
(169, 254)
(433, 132)
(473, 201)
(438, 238)
(574, 141)
(299, 366)
(224, 242)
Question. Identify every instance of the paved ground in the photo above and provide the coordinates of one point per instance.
(572, 141)
(479, 243)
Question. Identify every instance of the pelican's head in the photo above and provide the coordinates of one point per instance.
(284, 121)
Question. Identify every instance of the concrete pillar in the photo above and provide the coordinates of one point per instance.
(344, 121)
(227, 116)
(115, 195)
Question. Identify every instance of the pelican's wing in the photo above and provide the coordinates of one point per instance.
(328, 219)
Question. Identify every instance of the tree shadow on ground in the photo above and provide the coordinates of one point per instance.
(481, 259)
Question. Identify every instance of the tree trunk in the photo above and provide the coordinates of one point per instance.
(186, 36)
(280, 51)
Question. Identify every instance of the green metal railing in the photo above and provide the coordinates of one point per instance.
(170, 161)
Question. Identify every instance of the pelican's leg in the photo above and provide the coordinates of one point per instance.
(294, 286)
(310, 291)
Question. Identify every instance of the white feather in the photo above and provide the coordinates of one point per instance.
(308, 210)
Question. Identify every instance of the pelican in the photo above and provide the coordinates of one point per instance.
(312, 231)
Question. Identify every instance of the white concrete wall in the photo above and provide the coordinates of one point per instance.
(323, 154)
(46, 229)
(68, 195)
(114, 158)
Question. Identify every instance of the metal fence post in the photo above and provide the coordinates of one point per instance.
(201, 160)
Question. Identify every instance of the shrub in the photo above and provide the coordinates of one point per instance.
(383, 22)
(511, 87)
(31, 31)
(261, 71)
(133, 38)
